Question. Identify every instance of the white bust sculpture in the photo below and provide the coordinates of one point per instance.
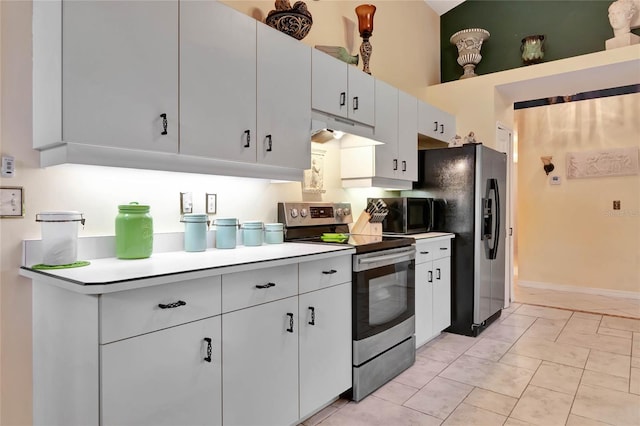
(620, 14)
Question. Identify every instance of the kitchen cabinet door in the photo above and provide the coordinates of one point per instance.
(164, 378)
(435, 123)
(325, 346)
(407, 136)
(120, 74)
(328, 84)
(424, 303)
(283, 100)
(217, 82)
(260, 371)
(441, 294)
(386, 130)
(361, 96)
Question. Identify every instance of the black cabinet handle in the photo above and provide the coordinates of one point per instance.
(269, 144)
(443, 248)
(313, 315)
(404, 166)
(437, 273)
(424, 252)
(355, 103)
(209, 349)
(172, 305)
(165, 123)
(247, 140)
(442, 128)
(329, 272)
(395, 164)
(290, 329)
(267, 285)
(343, 98)
(435, 123)
(430, 279)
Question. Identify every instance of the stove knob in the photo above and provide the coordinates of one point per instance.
(339, 212)
(303, 212)
(347, 212)
(294, 212)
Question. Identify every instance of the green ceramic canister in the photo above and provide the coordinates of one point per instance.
(134, 231)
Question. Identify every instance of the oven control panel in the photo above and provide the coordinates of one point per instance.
(310, 214)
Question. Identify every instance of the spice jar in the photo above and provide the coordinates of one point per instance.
(134, 231)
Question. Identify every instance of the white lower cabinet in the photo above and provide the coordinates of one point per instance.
(433, 288)
(168, 377)
(260, 370)
(325, 346)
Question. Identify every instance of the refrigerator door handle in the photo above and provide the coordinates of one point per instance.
(491, 218)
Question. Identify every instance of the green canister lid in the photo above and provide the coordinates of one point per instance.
(133, 207)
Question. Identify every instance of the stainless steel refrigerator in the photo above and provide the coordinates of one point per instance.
(469, 183)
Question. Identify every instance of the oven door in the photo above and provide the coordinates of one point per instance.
(383, 290)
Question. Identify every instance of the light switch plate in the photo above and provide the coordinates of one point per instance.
(211, 203)
(11, 202)
(186, 203)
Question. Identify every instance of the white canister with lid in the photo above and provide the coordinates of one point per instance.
(273, 233)
(226, 232)
(59, 236)
(195, 232)
(252, 233)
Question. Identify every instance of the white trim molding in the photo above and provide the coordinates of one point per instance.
(586, 290)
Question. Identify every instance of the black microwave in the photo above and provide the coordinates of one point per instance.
(407, 215)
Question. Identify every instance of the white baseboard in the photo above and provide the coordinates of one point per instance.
(586, 290)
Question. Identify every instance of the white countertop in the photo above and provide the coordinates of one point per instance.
(110, 274)
(432, 235)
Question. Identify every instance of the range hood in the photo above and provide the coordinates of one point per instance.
(325, 128)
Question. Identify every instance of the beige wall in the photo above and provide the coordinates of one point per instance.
(568, 233)
(406, 37)
(97, 191)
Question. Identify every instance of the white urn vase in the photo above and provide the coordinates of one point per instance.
(469, 43)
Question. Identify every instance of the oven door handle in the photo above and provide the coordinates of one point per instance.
(386, 257)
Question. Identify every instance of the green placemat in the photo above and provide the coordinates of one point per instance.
(77, 264)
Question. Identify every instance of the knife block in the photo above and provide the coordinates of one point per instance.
(364, 227)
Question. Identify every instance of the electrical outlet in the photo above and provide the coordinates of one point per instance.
(8, 166)
(211, 203)
(11, 202)
(186, 203)
(616, 204)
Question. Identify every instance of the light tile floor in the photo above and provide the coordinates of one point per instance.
(534, 366)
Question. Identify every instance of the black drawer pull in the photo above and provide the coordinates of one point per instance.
(209, 349)
(437, 273)
(267, 285)
(269, 144)
(443, 248)
(247, 139)
(436, 126)
(424, 252)
(404, 166)
(329, 272)
(172, 305)
(313, 315)
(395, 164)
(355, 103)
(290, 329)
(442, 128)
(343, 98)
(165, 123)
(430, 279)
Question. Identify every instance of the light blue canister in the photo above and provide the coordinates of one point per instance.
(252, 233)
(273, 233)
(195, 232)
(226, 233)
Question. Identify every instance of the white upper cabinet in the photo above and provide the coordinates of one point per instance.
(283, 99)
(435, 123)
(386, 113)
(407, 137)
(119, 74)
(341, 89)
(217, 82)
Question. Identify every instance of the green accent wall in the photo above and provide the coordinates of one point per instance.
(571, 28)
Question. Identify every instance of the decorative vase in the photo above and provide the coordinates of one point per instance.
(339, 52)
(365, 14)
(294, 21)
(532, 49)
(469, 43)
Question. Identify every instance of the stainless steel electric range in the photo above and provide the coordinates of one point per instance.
(383, 290)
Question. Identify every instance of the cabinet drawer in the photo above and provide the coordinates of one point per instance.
(428, 250)
(442, 249)
(250, 288)
(130, 313)
(323, 273)
(424, 252)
